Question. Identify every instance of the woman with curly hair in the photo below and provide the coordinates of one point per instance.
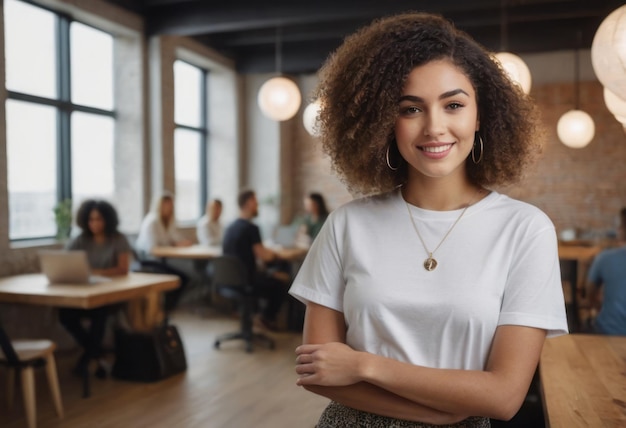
(429, 298)
(108, 252)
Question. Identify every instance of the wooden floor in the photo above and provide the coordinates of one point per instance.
(221, 388)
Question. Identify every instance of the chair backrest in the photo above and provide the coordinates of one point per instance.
(7, 349)
(229, 271)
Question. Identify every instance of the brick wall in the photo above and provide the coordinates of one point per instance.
(578, 188)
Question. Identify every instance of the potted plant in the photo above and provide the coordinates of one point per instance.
(63, 219)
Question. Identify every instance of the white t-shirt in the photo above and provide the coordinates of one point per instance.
(498, 266)
(153, 233)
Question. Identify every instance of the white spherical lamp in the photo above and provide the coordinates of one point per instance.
(309, 118)
(279, 98)
(575, 129)
(516, 68)
(616, 105)
(608, 52)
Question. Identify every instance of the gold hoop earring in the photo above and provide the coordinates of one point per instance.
(480, 140)
(387, 158)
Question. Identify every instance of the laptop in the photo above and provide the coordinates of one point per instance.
(68, 267)
(285, 236)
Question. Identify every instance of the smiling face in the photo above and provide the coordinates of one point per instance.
(438, 116)
(96, 223)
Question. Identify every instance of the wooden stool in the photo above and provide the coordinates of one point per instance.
(31, 354)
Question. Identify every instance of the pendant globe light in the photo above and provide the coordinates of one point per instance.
(279, 98)
(608, 52)
(616, 105)
(576, 128)
(310, 118)
(514, 66)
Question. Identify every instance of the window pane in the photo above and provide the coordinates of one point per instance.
(32, 169)
(187, 164)
(187, 96)
(91, 66)
(92, 157)
(30, 49)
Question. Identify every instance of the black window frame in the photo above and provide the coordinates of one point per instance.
(203, 131)
(63, 105)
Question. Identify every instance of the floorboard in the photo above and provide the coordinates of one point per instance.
(225, 388)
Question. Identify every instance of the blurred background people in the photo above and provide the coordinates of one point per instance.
(242, 239)
(607, 278)
(158, 228)
(316, 214)
(209, 229)
(108, 252)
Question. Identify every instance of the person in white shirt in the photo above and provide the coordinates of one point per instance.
(428, 299)
(209, 230)
(159, 229)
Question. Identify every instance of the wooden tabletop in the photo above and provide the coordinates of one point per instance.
(583, 381)
(35, 289)
(197, 252)
(583, 254)
(291, 254)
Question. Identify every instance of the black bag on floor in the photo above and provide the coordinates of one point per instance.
(148, 356)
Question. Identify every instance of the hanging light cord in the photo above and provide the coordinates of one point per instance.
(577, 71)
(278, 57)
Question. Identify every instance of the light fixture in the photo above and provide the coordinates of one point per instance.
(608, 52)
(576, 128)
(516, 68)
(279, 98)
(616, 105)
(310, 118)
(513, 65)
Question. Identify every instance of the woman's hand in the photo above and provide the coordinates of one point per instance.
(330, 364)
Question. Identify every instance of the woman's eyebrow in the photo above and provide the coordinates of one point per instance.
(447, 94)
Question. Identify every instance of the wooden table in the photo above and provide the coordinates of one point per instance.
(142, 290)
(582, 254)
(583, 381)
(199, 252)
(575, 261)
(195, 252)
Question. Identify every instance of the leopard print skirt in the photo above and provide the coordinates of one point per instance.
(339, 416)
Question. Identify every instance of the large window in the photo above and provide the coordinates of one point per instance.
(59, 113)
(190, 140)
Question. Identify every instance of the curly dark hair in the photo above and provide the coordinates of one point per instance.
(361, 84)
(105, 209)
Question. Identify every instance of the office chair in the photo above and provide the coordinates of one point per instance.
(229, 280)
(24, 356)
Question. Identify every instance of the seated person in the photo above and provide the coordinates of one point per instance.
(209, 229)
(159, 229)
(108, 252)
(315, 216)
(607, 276)
(242, 239)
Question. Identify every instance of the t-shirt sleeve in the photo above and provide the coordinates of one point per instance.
(533, 296)
(320, 279)
(255, 234)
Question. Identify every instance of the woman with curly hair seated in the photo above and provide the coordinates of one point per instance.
(429, 297)
(108, 252)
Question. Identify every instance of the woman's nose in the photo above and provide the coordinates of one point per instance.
(435, 124)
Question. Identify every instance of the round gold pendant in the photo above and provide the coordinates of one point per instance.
(430, 264)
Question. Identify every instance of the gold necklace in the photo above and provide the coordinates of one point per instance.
(431, 263)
